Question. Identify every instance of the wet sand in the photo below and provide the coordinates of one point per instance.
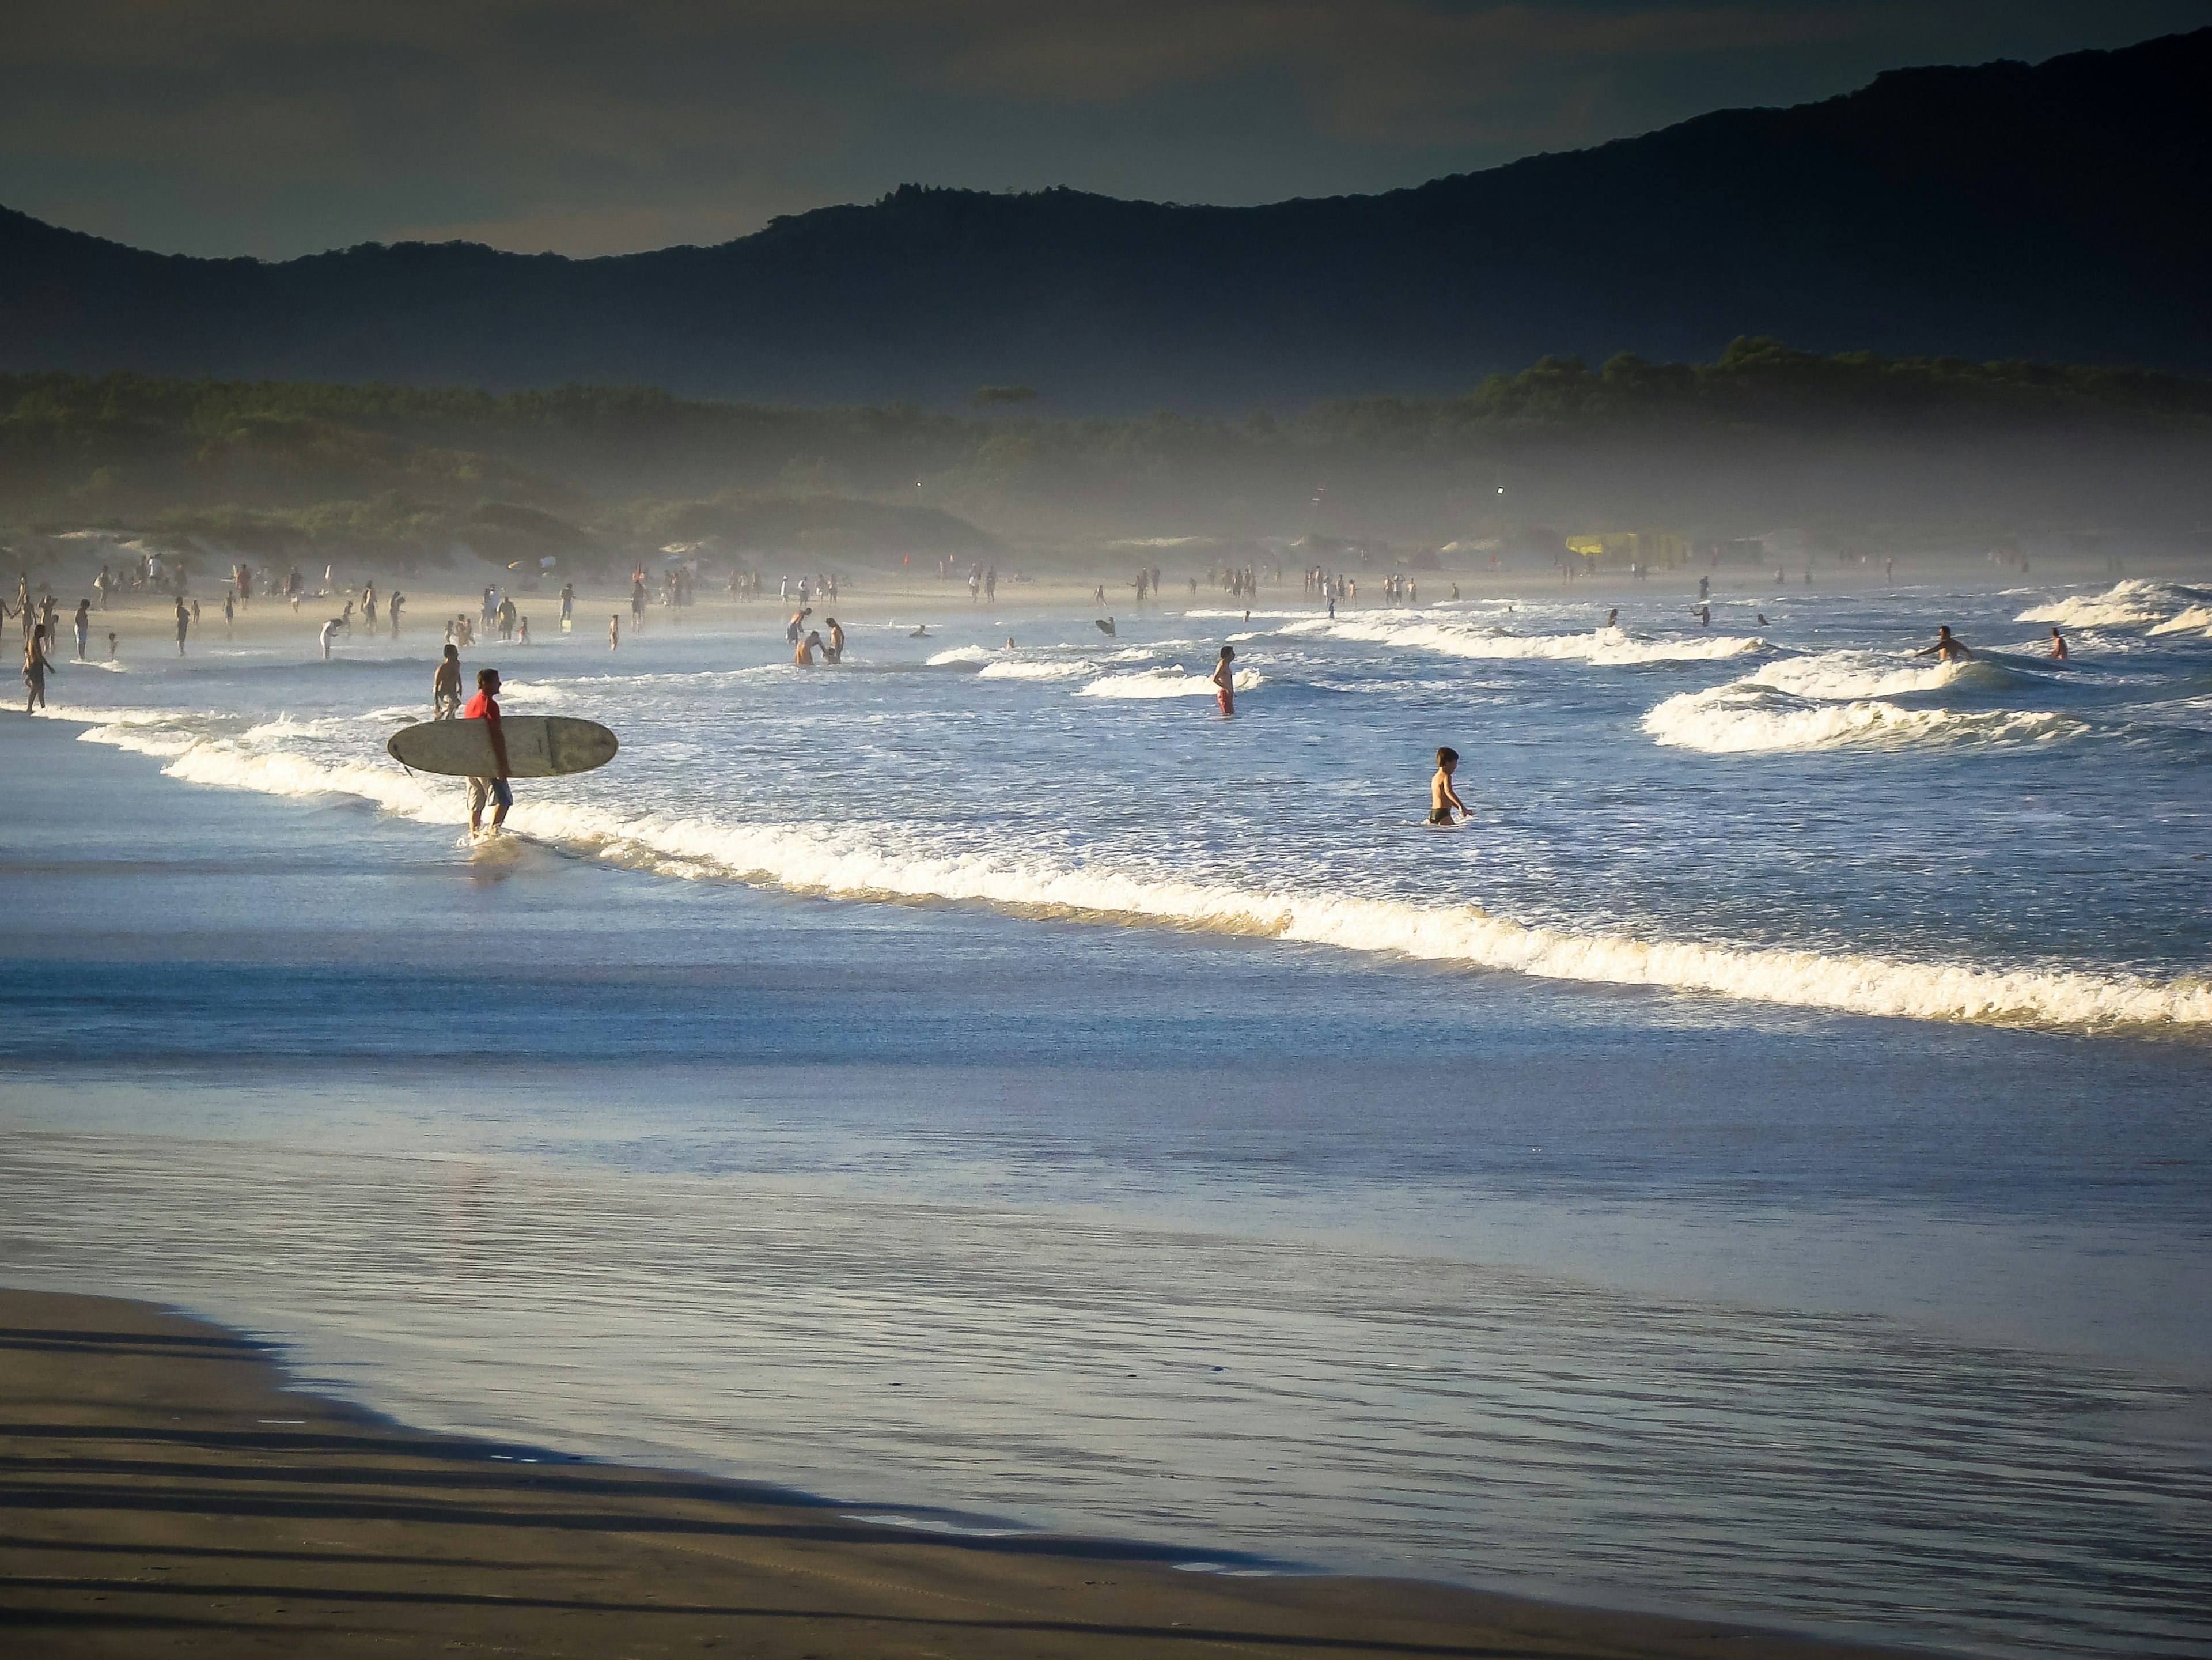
(164, 1491)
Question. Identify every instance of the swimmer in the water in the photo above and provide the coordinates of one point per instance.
(2058, 646)
(921, 633)
(1443, 798)
(1762, 619)
(1612, 617)
(1225, 680)
(1945, 648)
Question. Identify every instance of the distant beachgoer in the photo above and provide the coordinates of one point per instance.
(35, 667)
(1098, 593)
(111, 644)
(2057, 646)
(1946, 649)
(614, 632)
(1224, 681)
(446, 685)
(229, 612)
(1704, 588)
(484, 707)
(1443, 799)
(368, 606)
(835, 652)
(84, 626)
(637, 603)
(330, 631)
(921, 632)
(183, 623)
(1704, 616)
(1331, 608)
(1612, 617)
(391, 610)
(794, 628)
(802, 654)
(1762, 619)
(523, 630)
(568, 604)
(1010, 642)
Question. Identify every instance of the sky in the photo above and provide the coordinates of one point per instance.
(282, 127)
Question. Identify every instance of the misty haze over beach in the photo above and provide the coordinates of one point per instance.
(1028, 1089)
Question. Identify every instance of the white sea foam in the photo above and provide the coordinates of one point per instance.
(2126, 605)
(1604, 647)
(1037, 671)
(1743, 718)
(2197, 617)
(1168, 682)
(958, 656)
(882, 862)
(1839, 674)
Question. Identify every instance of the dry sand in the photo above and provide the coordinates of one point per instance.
(163, 1492)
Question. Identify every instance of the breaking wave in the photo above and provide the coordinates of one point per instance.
(2130, 604)
(1741, 718)
(1044, 671)
(1604, 647)
(882, 862)
(1163, 683)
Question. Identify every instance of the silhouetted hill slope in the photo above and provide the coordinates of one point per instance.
(2061, 210)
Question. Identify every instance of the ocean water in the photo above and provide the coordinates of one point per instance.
(1757, 1166)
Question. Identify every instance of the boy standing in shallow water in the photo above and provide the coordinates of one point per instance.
(1224, 681)
(1443, 798)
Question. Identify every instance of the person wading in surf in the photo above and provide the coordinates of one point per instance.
(1225, 680)
(484, 707)
(36, 665)
(446, 686)
(1947, 649)
(1443, 798)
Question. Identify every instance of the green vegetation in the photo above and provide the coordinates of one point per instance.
(591, 474)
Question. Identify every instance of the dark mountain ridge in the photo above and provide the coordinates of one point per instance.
(2061, 210)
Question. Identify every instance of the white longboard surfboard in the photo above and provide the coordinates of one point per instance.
(538, 747)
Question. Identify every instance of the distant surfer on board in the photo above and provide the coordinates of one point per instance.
(1443, 798)
(484, 707)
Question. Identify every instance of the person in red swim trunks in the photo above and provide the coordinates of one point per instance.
(484, 707)
(1225, 680)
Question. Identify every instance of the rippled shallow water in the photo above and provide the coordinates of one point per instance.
(1702, 1294)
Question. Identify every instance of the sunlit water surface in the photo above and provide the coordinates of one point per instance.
(1758, 1165)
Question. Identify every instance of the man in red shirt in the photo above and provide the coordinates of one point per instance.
(484, 707)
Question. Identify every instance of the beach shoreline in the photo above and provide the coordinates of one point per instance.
(169, 1486)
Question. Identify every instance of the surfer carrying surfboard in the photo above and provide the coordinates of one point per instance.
(484, 707)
